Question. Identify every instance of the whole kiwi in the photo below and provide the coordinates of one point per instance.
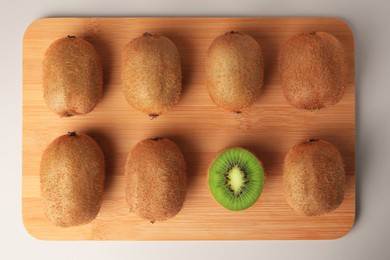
(313, 70)
(314, 177)
(155, 179)
(151, 74)
(72, 174)
(235, 71)
(72, 76)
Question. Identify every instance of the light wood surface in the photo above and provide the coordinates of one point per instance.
(200, 129)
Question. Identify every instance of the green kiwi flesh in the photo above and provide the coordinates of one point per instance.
(236, 179)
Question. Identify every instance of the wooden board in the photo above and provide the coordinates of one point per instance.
(269, 129)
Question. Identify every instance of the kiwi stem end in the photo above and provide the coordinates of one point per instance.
(153, 116)
(155, 138)
(72, 133)
(232, 32)
(147, 34)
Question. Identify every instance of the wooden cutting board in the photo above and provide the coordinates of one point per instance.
(201, 130)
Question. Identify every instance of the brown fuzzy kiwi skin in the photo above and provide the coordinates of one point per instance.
(151, 74)
(155, 179)
(72, 76)
(235, 71)
(313, 70)
(72, 174)
(314, 178)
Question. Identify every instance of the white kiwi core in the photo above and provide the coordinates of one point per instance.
(236, 179)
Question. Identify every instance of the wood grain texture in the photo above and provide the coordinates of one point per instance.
(200, 129)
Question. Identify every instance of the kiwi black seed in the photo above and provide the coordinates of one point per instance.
(236, 179)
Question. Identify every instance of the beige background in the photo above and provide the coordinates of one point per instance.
(370, 235)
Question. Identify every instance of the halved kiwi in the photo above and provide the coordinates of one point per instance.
(236, 178)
